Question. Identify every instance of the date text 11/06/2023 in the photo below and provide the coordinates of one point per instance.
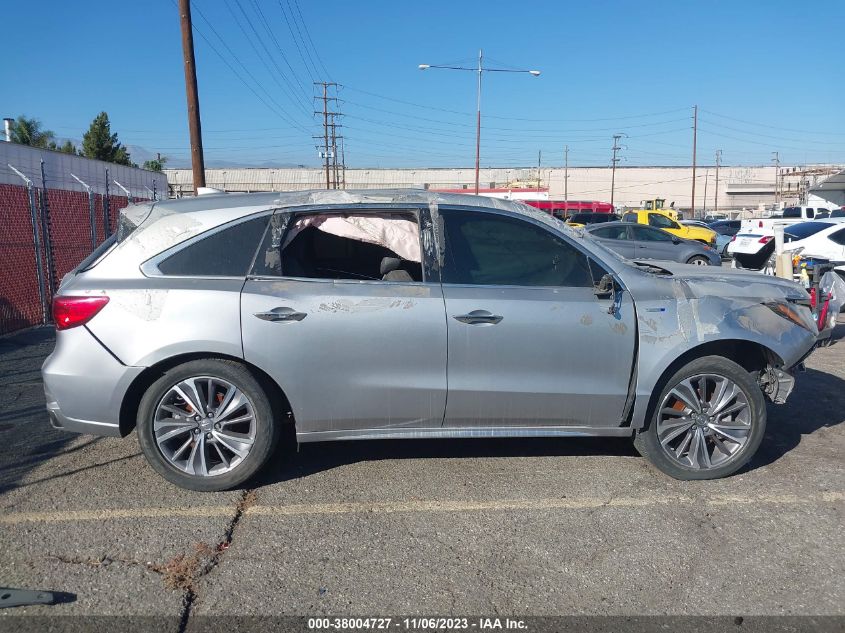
(414, 624)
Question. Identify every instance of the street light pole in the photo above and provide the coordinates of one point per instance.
(480, 70)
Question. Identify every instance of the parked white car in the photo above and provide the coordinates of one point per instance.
(754, 244)
(823, 239)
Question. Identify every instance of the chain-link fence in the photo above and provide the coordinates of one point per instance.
(51, 219)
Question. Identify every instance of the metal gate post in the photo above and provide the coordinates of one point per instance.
(106, 208)
(91, 213)
(46, 233)
(42, 291)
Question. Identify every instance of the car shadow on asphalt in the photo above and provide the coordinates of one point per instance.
(26, 437)
(818, 402)
(311, 458)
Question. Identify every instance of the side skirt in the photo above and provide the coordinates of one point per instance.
(466, 432)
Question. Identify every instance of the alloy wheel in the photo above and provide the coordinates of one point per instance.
(204, 426)
(704, 421)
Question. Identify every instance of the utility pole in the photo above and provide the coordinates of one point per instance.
(197, 161)
(614, 160)
(335, 154)
(694, 140)
(566, 173)
(776, 161)
(539, 162)
(716, 197)
(342, 164)
(706, 179)
(325, 137)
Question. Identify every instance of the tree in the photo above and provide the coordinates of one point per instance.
(66, 148)
(27, 131)
(99, 143)
(156, 164)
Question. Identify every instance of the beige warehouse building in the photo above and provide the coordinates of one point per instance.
(739, 188)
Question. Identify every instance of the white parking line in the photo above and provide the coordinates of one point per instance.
(387, 507)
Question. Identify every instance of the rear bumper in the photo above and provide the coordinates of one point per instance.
(85, 385)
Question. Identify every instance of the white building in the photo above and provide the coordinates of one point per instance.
(738, 188)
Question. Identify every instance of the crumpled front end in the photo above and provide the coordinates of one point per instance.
(762, 323)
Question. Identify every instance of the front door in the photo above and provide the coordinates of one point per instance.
(530, 345)
(340, 314)
(653, 243)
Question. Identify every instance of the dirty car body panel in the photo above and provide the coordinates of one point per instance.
(488, 340)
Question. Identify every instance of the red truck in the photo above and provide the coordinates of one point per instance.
(563, 209)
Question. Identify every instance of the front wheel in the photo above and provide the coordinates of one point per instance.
(698, 260)
(708, 421)
(206, 425)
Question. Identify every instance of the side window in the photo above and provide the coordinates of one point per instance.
(629, 217)
(611, 232)
(488, 249)
(661, 221)
(811, 213)
(336, 245)
(226, 253)
(838, 237)
(644, 234)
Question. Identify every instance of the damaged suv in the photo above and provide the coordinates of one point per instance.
(209, 323)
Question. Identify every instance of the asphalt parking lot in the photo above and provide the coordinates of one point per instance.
(530, 527)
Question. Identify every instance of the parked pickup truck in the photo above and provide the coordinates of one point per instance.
(754, 244)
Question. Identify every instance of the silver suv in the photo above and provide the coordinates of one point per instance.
(208, 323)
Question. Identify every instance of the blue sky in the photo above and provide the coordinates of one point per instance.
(766, 77)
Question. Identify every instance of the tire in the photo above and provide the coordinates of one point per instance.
(698, 260)
(745, 425)
(240, 430)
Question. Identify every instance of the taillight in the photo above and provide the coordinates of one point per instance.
(766, 239)
(760, 224)
(733, 239)
(69, 312)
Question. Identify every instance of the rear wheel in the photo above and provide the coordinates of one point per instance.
(708, 423)
(698, 260)
(206, 425)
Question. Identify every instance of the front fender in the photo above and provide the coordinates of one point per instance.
(672, 330)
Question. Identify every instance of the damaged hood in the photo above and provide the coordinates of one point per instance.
(707, 281)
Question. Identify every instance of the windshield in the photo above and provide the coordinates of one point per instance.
(804, 230)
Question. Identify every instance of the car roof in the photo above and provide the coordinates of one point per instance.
(604, 225)
(288, 199)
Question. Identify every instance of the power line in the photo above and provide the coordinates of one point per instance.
(281, 112)
(252, 39)
(308, 35)
(773, 127)
(267, 28)
(778, 138)
(506, 118)
(296, 41)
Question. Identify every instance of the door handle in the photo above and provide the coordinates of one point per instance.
(281, 314)
(478, 317)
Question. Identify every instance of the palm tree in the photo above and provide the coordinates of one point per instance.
(27, 131)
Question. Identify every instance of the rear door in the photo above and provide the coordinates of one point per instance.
(530, 345)
(654, 244)
(345, 316)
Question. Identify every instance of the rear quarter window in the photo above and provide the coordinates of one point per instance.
(226, 253)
